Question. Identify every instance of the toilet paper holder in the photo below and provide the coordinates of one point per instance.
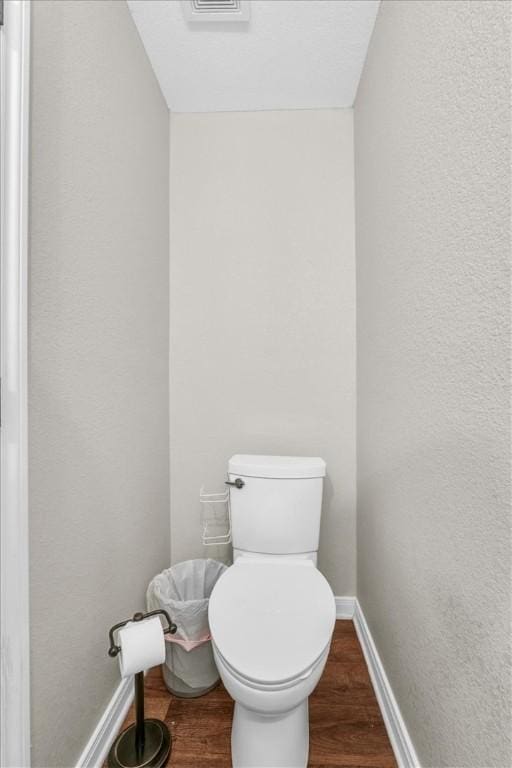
(115, 649)
(147, 743)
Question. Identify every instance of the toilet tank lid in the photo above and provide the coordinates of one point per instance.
(278, 467)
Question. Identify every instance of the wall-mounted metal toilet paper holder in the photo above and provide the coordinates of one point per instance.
(147, 742)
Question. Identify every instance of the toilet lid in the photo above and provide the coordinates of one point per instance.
(271, 621)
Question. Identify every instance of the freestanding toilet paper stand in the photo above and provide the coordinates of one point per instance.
(147, 743)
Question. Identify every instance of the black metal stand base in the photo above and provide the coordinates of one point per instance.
(152, 752)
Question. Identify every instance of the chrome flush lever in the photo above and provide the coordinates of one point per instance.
(238, 483)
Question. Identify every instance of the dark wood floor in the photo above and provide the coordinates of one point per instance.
(346, 727)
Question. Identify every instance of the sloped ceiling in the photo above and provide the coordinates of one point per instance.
(292, 54)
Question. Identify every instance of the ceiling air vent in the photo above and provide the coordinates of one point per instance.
(216, 10)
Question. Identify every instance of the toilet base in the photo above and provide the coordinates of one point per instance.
(270, 741)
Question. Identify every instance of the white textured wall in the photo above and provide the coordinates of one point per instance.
(262, 309)
(99, 471)
(433, 291)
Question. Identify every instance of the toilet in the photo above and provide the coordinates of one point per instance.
(272, 613)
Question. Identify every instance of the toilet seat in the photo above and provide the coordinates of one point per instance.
(267, 687)
(271, 622)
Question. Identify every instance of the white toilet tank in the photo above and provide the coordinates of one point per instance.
(276, 503)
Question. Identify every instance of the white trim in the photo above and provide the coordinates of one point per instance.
(97, 748)
(401, 742)
(14, 563)
(345, 607)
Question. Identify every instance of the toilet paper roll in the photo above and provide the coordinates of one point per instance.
(142, 646)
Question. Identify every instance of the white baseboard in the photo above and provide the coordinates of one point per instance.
(108, 727)
(401, 742)
(345, 607)
(97, 748)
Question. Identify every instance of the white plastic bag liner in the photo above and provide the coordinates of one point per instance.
(189, 674)
(184, 591)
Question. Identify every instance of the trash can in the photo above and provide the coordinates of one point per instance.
(184, 591)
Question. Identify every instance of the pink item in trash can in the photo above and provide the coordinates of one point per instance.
(188, 645)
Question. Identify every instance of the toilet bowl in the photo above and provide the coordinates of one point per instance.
(271, 622)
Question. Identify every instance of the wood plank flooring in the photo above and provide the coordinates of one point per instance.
(346, 727)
